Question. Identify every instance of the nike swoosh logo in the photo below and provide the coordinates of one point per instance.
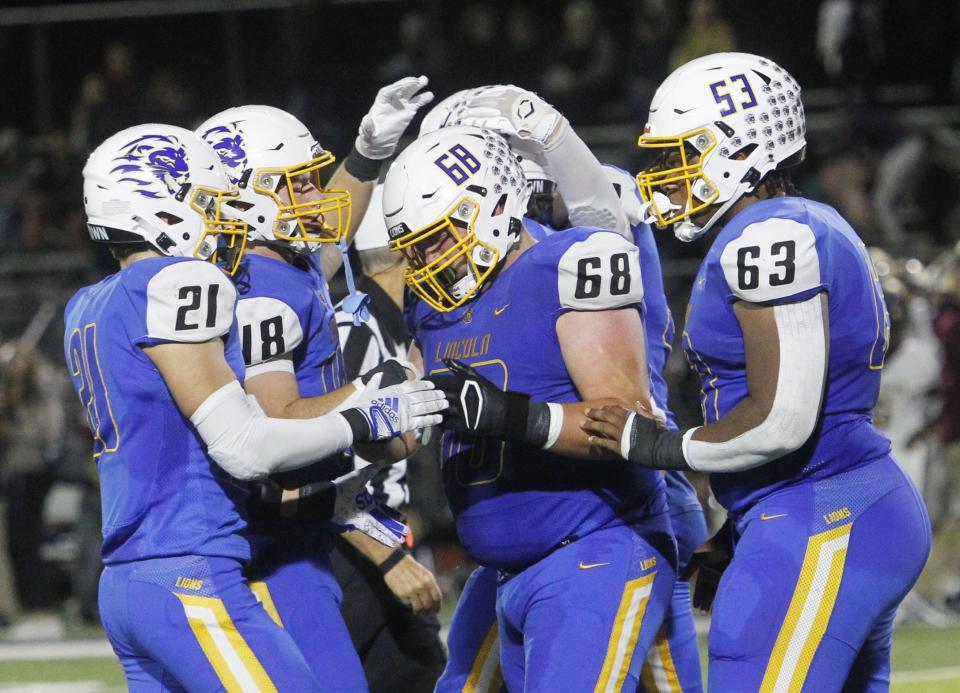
(497, 311)
(587, 566)
(764, 516)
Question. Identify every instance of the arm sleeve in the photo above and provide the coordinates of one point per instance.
(585, 188)
(600, 272)
(250, 445)
(796, 405)
(188, 302)
(772, 261)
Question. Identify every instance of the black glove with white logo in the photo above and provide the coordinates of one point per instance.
(478, 407)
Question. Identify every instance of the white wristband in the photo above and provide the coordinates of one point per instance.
(556, 423)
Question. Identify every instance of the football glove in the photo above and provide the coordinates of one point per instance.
(355, 508)
(395, 371)
(392, 411)
(480, 408)
(393, 108)
(709, 566)
(514, 112)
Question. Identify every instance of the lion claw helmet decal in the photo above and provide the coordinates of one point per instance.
(161, 157)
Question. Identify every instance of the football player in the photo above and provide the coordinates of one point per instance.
(788, 329)
(154, 356)
(290, 345)
(674, 659)
(584, 550)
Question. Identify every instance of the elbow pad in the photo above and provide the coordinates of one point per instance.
(249, 445)
(796, 405)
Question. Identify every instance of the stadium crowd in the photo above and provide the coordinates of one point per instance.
(887, 168)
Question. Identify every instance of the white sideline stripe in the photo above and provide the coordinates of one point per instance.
(61, 687)
(921, 675)
(623, 638)
(231, 657)
(809, 611)
(52, 650)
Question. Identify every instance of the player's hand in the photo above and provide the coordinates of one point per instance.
(414, 586)
(392, 110)
(630, 434)
(513, 112)
(707, 564)
(355, 508)
(392, 411)
(477, 406)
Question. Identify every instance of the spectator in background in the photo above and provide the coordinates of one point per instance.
(706, 32)
(34, 419)
(523, 46)
(168, 99)
(582, 74)
(87, 111)
(13, 185)
(480, 58)
(850, 41)
(421, 52)
(653, 33)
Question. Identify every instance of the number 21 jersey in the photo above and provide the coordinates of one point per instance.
(162, 495)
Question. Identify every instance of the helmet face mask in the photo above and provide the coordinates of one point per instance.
(453, 203)
(276, 163)
(163, 185)
(720, 123)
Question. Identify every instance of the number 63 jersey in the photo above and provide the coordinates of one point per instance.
(784, 250)
(514, 503)
(162, 495)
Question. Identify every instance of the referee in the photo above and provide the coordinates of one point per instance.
(389, 599)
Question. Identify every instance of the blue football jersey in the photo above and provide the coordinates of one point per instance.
(514, 503)
(162, 495)
(286, 319)
(784, 250)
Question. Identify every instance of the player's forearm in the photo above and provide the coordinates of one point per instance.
(572, 441)
(310, 407)
(370, 548)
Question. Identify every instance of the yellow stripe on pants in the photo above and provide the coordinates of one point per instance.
(237, 667)
(809, 611)
(626, 631)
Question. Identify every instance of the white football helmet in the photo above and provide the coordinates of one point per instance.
(266, 151)
(457, 193)
(164, 185)
(543, 184)
(740, 114)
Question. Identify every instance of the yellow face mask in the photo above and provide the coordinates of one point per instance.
(323, 219)
(444, 282)
(674, 167)
(223, 240)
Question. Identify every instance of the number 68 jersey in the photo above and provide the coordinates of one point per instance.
(514, 503)
(162, 495)
(784, 250)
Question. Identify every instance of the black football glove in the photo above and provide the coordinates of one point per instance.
(395, 371)
(479, 407)
(709, 567)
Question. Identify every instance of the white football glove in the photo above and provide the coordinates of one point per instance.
(355, 508)
(389, 116)
(513, 112)
(395, 410)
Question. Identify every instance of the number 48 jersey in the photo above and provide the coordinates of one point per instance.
(784, 250)
(162, 495)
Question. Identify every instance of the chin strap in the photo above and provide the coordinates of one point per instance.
(356, 302)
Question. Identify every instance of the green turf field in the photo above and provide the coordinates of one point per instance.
(924, 660)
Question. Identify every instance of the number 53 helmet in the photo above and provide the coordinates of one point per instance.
(719, 124)
(453, 203)
(164, 185)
